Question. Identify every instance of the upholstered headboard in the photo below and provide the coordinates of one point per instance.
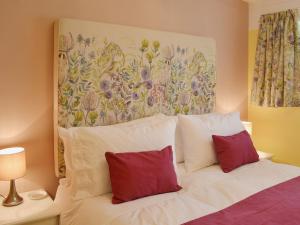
(106, 74)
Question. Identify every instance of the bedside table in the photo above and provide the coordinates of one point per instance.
(265, 155)
(30, 212)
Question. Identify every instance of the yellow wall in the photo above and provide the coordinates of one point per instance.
(275, 130)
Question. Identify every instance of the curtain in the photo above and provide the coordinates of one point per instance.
(276, 80)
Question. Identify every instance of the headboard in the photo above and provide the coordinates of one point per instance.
(106, 74)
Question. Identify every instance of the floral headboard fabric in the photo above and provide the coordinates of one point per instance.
(106, 74)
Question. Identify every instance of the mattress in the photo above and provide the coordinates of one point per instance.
(204, 191)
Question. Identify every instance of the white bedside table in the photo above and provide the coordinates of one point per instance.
(265, 155)
(30, 212)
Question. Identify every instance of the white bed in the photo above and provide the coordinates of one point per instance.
(204, 191)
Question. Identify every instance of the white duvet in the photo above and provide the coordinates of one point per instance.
(204, 191)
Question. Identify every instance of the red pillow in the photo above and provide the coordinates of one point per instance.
(139, 174)
(234, 151)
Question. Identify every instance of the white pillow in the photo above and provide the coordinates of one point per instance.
(138, 122)
(196, 132)
(178, 149)
(86, 146)
(178, 141)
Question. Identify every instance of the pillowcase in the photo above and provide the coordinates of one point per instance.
(235, 150)
(86, 146)
(178, 148)
(135, 175)
(64, 135)
(178, 142)
(196, 133)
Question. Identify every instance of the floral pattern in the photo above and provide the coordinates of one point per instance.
(102, 83)
(276, 80)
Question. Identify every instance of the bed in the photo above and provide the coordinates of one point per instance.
(205, 191)
(120, 89)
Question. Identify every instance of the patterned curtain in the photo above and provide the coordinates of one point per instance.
(276, 80)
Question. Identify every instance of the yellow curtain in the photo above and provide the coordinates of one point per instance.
(276, 80)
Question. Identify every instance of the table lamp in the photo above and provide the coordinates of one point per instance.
(248, 126)
(12, 166)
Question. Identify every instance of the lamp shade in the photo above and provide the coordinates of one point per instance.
(248, 126)
(12, 163)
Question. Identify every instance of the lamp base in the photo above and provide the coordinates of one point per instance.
(13, 197)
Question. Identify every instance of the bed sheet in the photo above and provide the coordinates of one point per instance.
(204, 191)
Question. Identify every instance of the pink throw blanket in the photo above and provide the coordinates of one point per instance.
(277, 205)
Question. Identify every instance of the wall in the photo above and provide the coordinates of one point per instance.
(275, 130)
(260, 7)
(26, 44)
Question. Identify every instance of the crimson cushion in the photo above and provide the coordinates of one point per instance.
(135, 175)
(235, 150)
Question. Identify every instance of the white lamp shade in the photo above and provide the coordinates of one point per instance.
(12, 163)
(248, 126)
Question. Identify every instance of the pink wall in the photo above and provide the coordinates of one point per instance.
(26, 59)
